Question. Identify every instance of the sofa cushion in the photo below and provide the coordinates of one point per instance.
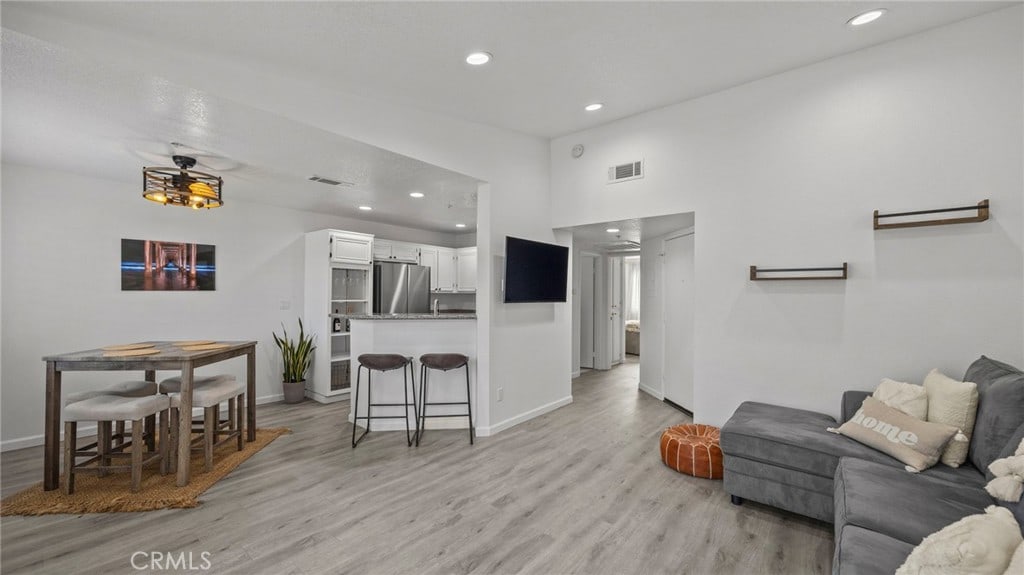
(792, 438)
(906, 506)
(863, 552)
(797, 439)
(1000, 408)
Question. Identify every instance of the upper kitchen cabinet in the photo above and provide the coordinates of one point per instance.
(465, 273)
(442, 265)
(351, 247)
(385, 250)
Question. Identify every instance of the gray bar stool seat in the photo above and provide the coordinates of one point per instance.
(442, 362)
(208, 393)
(104, 409)
(383, 362)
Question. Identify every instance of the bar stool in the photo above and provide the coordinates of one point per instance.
(442, 362)
(107, 438)
(208, 393)
(104, 409)
(384, 362)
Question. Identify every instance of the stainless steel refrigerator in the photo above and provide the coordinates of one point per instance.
(400, 288)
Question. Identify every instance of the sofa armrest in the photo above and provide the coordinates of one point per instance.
(851, 403)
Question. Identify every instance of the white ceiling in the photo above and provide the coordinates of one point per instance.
(597, 237)
(550, 58)
(66, 111)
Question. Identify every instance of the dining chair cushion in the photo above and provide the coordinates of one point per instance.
(123, 389)
(115, 408)
(173, 384)
(211, 394)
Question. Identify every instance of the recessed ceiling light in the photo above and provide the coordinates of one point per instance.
(416, 194)
(867, 17)
(478, 58)
(594, 107)
(365, 208)
(460, 225)
(612, 230)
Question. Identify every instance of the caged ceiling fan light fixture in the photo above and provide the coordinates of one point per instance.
(182, 186)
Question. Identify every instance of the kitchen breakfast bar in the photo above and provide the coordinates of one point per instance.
(413, 335)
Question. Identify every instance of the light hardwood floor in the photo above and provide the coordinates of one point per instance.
(579, 490)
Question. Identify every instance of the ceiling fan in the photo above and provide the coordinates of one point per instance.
(156, 153)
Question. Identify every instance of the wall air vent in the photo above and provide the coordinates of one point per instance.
(330, 182)
(626, 172)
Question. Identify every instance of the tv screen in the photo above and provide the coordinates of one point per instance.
(535, 271)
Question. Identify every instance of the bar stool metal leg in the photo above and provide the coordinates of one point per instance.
(355, 406)
(469, 405)
(405, 391)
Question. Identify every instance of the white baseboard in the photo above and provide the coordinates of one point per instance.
(575, 374)
(86, 430)
(652, 392)
(523, 417)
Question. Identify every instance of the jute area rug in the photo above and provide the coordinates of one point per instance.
(110, 494)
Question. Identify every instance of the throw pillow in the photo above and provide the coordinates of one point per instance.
(906, 397)
(1016, 565)
(914, 442)
(1008, 484)
(955, 403)
(980, 544)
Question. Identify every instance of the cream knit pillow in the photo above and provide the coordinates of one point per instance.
(954, 403)
(976, 545)
(1016, 566)
(906, 397)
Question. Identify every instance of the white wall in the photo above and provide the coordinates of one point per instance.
(787, 170)
(522, 348)
(61, 256)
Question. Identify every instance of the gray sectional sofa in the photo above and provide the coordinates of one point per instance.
(784, 457)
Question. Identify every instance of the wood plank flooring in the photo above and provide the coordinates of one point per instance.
(579, 490)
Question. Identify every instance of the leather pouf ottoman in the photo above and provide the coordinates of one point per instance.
(693, 449)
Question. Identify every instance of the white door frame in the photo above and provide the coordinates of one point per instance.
(664, 297)
(615, 356)
(595, 318)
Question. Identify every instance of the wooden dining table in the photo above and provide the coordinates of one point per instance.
(171, 356)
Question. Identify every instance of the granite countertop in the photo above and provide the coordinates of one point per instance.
(407, 316)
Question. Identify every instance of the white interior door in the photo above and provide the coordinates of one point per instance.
(587, 278)
(678, 297)
(617, 329)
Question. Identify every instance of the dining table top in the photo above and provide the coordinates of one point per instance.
(166, 351)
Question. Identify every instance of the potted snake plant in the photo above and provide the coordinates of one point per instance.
(296, 355)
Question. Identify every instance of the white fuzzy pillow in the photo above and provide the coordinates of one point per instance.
(1016, 566)
(976, 545)
(954, 403)
(906, 397)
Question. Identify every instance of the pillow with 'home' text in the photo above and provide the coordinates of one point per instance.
(914, 442)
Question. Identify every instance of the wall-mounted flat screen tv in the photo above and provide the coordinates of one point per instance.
(535, 271)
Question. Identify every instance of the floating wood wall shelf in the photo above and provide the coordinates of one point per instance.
(755, 273)
(982, 209)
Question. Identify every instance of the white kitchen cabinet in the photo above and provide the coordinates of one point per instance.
(338, 282)
(465, 273)
(350, 247)
(389, 251)
(445, 270)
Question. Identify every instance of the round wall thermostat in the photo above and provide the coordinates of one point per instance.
(577, 150)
